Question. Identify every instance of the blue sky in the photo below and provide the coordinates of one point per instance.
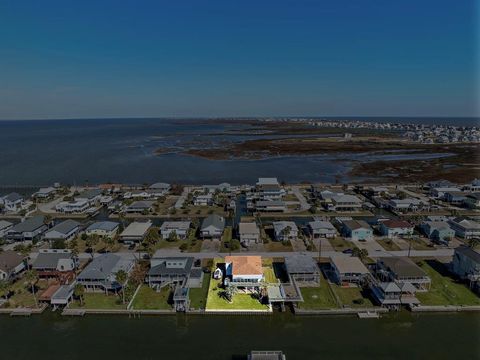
(93, 58)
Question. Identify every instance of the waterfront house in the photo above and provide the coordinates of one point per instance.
(465, 228)
(439, 192)
(321, 229)
(45, 193)
(91, 196)
(62, 296)
(345, 202)
(104, 229)
(249, 233)
(100, 274)
(73, 207)
(285, 230)
(472, 201)
(357, 230)
(55, 263)
(66, 230)
(392, 295)
(455, 197)
(29, 230)
(405, 205)
(140, 207)
(438, 231)
(402, 270)
(243, 271)
(12, 202)
(466, 265)
(161, 186)
(173, 270)
(348, 270)
(474, 186)
(395, 228)
(203, 200)
(212, 226)
(11, 265)
(180, 228)
(269, 189)
(270, 206)
(302, 268)
(4, 227)
(135, 232)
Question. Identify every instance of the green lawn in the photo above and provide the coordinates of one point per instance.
(277, 246)
(23, 296)
(99, 301)
(340, 244)
(348, 296)
(445, 290)
(198, 296)
(240, 301)
(149, 299)
(318, 298)
(269, 275)
(420, 245)
(388, 245)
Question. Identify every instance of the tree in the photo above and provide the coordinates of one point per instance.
(360, 253)
(121, 278)
(47, 219)
(79, 292)
(473, 242)
(5, 288)
(229, 292)
(31, 278)
(286, 232)
(172, 237)
(91, 241)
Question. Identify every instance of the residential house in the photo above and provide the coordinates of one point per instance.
(104, 229)
(135, 232)
(438, 231)
(12, 202)
(270, 206)
(180, 228)
(395, 228)
(405, 205)
(161, 186)
(92, 196)
(472, 201)
(11, 264)
(357, 230)
(28, 230)
(212, 226)
(55, 263)
(466, 265)
(285, 230)
(140, 207)
(345, 202)
(321, 229)
(203, 200)
(100, 274)
(392, 295)
(439, 192)
(302, 268)
(348, 270)
(402, 270)
(249, 233)
(66, 230)
(172, 270)
(4, 227)
(474, 186)
(455, 197)
(269, 189)
(45, 193)
(465, 228)
(243, 271)
(73, 207)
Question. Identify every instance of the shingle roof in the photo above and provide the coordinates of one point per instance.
(356, 224)
(397, 224)
(9, 260)
(469, 252)
(103, 225)
(248, 228)
(30, 224)
(104, 266)
(349, 264)
(49, 260)
(13, 197)
(161, 266)
(65, 226)
(403, 266)
(213, 220)
(301, 263)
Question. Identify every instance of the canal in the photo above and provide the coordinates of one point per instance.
(395, 336)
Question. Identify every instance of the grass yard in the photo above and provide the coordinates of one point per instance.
(99, 301)
(388, 245)
(444, 289)
(269, 275)
(318, 298)
(420, 245)
(240, 301)
(277, 246)
(351, 297)
(340, 244)
(198, 296)
(149, 299)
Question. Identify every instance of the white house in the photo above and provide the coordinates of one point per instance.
(244, 271)
(135, 232)
(285, 230)
(321, 229)
(465, 228)
(394, 228)
(106, 229)
(72, 207)
(180, 228)
(203, 200)
(65, 230)
(249, 233)
(212, 226)
(12, 202)
(28, 230)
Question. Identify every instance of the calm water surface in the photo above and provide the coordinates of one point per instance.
(398, 336)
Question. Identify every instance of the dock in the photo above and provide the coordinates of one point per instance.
(369, 315)
(73, 312)
(21, 312)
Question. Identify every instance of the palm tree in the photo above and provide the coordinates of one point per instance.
(473, 242)
(79, 292)
(4, 288)
(286, 232)
(31, 278)
(121, 278)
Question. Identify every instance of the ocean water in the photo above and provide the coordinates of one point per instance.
(123, 150)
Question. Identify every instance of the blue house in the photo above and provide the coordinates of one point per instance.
(357, 230)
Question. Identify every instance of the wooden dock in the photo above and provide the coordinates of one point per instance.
(21, 312)
(369, 315)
